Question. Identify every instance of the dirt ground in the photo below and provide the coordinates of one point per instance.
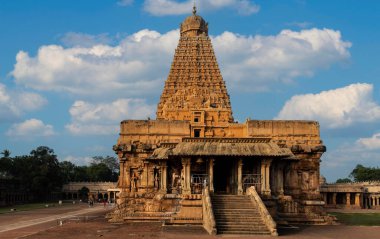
(99, 228)
(94, 225)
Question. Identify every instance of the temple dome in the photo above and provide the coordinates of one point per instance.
(194, 25)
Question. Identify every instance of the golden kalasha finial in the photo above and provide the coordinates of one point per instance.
(194, 8)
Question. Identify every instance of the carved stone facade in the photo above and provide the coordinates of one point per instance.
(194, 144)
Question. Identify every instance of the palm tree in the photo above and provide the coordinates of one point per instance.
(6, 153)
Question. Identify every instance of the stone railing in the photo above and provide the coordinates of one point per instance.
(267, 218)
(208, 214)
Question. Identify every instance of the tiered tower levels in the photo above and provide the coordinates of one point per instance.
(195, 89)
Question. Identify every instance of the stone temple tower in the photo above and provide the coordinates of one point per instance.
(195, 90)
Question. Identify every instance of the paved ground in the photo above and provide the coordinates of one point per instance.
(19, 224)
(90, 223)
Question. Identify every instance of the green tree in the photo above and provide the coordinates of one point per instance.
(99, 172)
(6, 153)
(361, 173)
(81, 174)
(68, 170)
(42, 172)
(111, 163)
(343, 180)
(5, 163)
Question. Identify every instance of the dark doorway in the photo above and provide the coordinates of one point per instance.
(224, 176)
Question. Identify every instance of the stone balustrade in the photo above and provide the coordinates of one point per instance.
(208, 214)
(265, 215)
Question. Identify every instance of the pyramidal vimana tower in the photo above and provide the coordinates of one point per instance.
(195, 165)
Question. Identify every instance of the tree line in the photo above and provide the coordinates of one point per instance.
(41, 173)
(361, 173)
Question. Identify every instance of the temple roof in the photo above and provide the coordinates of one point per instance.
(230, 149)
(224, 148)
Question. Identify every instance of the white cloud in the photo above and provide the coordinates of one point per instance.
(336, 108)
(257, 62)
(372, 143)
(13, 104)
(172, 7)
(138, 65)
(104, 118)
(31, 128)
(340, 161)
(79, 161)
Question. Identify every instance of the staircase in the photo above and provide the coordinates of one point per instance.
(237, 215)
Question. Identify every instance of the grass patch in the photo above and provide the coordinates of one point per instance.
(358, 219)
(28, 207)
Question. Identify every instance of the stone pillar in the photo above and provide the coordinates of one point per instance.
(146, 175)
(334, 198)
(211, 175)
(280, 179)
(240, 176)
(265, 173)
(151, 177)
(348, 199)
(164, 177)
(121, 176)
(109, 196)
(325, 198)
(186, 176)
(127, 178)
(357, 199)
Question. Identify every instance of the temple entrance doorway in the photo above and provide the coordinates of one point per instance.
(225, 176)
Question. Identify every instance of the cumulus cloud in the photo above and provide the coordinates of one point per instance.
(14, 104)
(31, 128)
(172, 7)
(256, 62)
(80, 161)
(138, 65)
(372, 143)
(340, 161)
(336, 108)
(104, 118)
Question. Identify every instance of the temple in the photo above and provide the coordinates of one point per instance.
(195, 165)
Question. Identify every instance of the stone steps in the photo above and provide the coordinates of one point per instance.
(237, 215)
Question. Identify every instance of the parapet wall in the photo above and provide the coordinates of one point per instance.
(153, 131)
(289, 131)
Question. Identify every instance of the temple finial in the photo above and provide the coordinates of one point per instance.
(194, 9)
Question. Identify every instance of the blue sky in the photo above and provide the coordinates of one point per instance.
(70, 71)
